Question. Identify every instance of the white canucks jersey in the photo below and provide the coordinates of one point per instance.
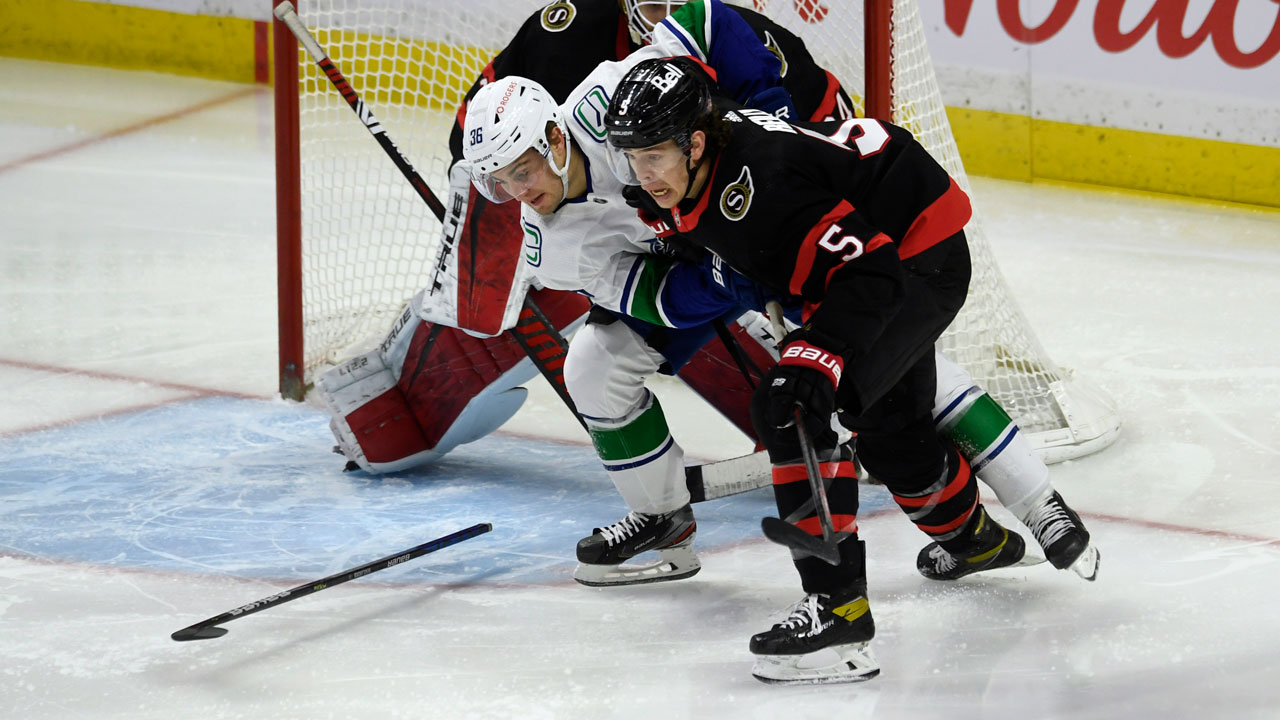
(592, 244)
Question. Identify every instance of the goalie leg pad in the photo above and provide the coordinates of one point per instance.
(429, 388)
(370, 419)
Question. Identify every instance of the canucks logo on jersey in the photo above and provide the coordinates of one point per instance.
(532, 243)
(557, 16)
(736, 198)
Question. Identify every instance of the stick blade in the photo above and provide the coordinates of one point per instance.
(784, 533)
(198, 633)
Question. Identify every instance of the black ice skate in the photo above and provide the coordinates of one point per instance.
(1063, 536)
(824, 639)
(600, 556)
(990, 546)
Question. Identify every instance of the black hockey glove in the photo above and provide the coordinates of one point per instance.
(806, 376)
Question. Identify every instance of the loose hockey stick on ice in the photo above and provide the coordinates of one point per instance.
(544, 345)
(207, 629)
(779, 530)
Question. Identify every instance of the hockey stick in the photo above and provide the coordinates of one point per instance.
(779, 530)
(206, 629)
(544, 345)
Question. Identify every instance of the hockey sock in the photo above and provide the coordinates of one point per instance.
(998, 453)
(794, 498)
(643, 460)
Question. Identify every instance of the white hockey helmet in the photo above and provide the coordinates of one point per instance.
(639, 24)
(505, 119)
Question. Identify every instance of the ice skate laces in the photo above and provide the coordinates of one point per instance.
(942, 560)
(1049, 522)
(623, 529)
(805, 612)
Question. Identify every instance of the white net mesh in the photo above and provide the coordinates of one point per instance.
(368, 239)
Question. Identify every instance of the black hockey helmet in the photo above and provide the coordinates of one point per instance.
(656, 101)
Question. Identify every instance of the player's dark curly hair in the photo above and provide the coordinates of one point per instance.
(717, 130)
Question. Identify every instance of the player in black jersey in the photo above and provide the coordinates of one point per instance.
(855, 226)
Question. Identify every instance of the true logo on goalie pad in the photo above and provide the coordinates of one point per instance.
(558, 15)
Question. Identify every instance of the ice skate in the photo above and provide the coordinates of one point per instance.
(824, 639)
(602, 554)
(1063, 536)
(990, 546)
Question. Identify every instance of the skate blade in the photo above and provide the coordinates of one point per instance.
(1086, 566)
(675, 564)
(842, 664)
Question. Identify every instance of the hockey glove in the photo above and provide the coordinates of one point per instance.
(776, 101)
(806, 377)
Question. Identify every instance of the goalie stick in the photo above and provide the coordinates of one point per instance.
(540, 340)
(207, 629)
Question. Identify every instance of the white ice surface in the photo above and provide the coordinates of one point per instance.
(149, 481)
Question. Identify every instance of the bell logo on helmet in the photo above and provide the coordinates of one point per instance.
(667, 80)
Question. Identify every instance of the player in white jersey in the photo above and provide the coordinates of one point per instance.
(580, 235)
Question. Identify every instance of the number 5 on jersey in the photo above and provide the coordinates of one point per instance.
(830, 242)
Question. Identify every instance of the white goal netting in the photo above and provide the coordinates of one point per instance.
(368, 240)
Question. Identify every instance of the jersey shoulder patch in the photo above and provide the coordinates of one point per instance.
(558, 15)
(532, 243)
(735, 200)
(590, 110)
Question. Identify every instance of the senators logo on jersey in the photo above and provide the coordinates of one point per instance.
(735, 201)
(771, 44)
(557, 16)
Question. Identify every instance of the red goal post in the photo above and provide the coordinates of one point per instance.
(355, 242)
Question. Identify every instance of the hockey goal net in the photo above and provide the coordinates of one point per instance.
(356, 241)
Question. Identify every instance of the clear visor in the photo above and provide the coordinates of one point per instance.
(645, 165)
(512, 181)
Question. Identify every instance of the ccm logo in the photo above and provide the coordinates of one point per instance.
(808, 354)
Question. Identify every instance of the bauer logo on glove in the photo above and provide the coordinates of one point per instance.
(802, 353)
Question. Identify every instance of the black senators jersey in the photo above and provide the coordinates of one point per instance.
(559, 45)
(825, 213)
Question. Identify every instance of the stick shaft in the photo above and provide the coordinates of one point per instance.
(816, 485)
(286, 14)
(339, 578)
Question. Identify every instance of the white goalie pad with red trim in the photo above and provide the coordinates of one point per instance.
(429, 388)
(480, 276)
